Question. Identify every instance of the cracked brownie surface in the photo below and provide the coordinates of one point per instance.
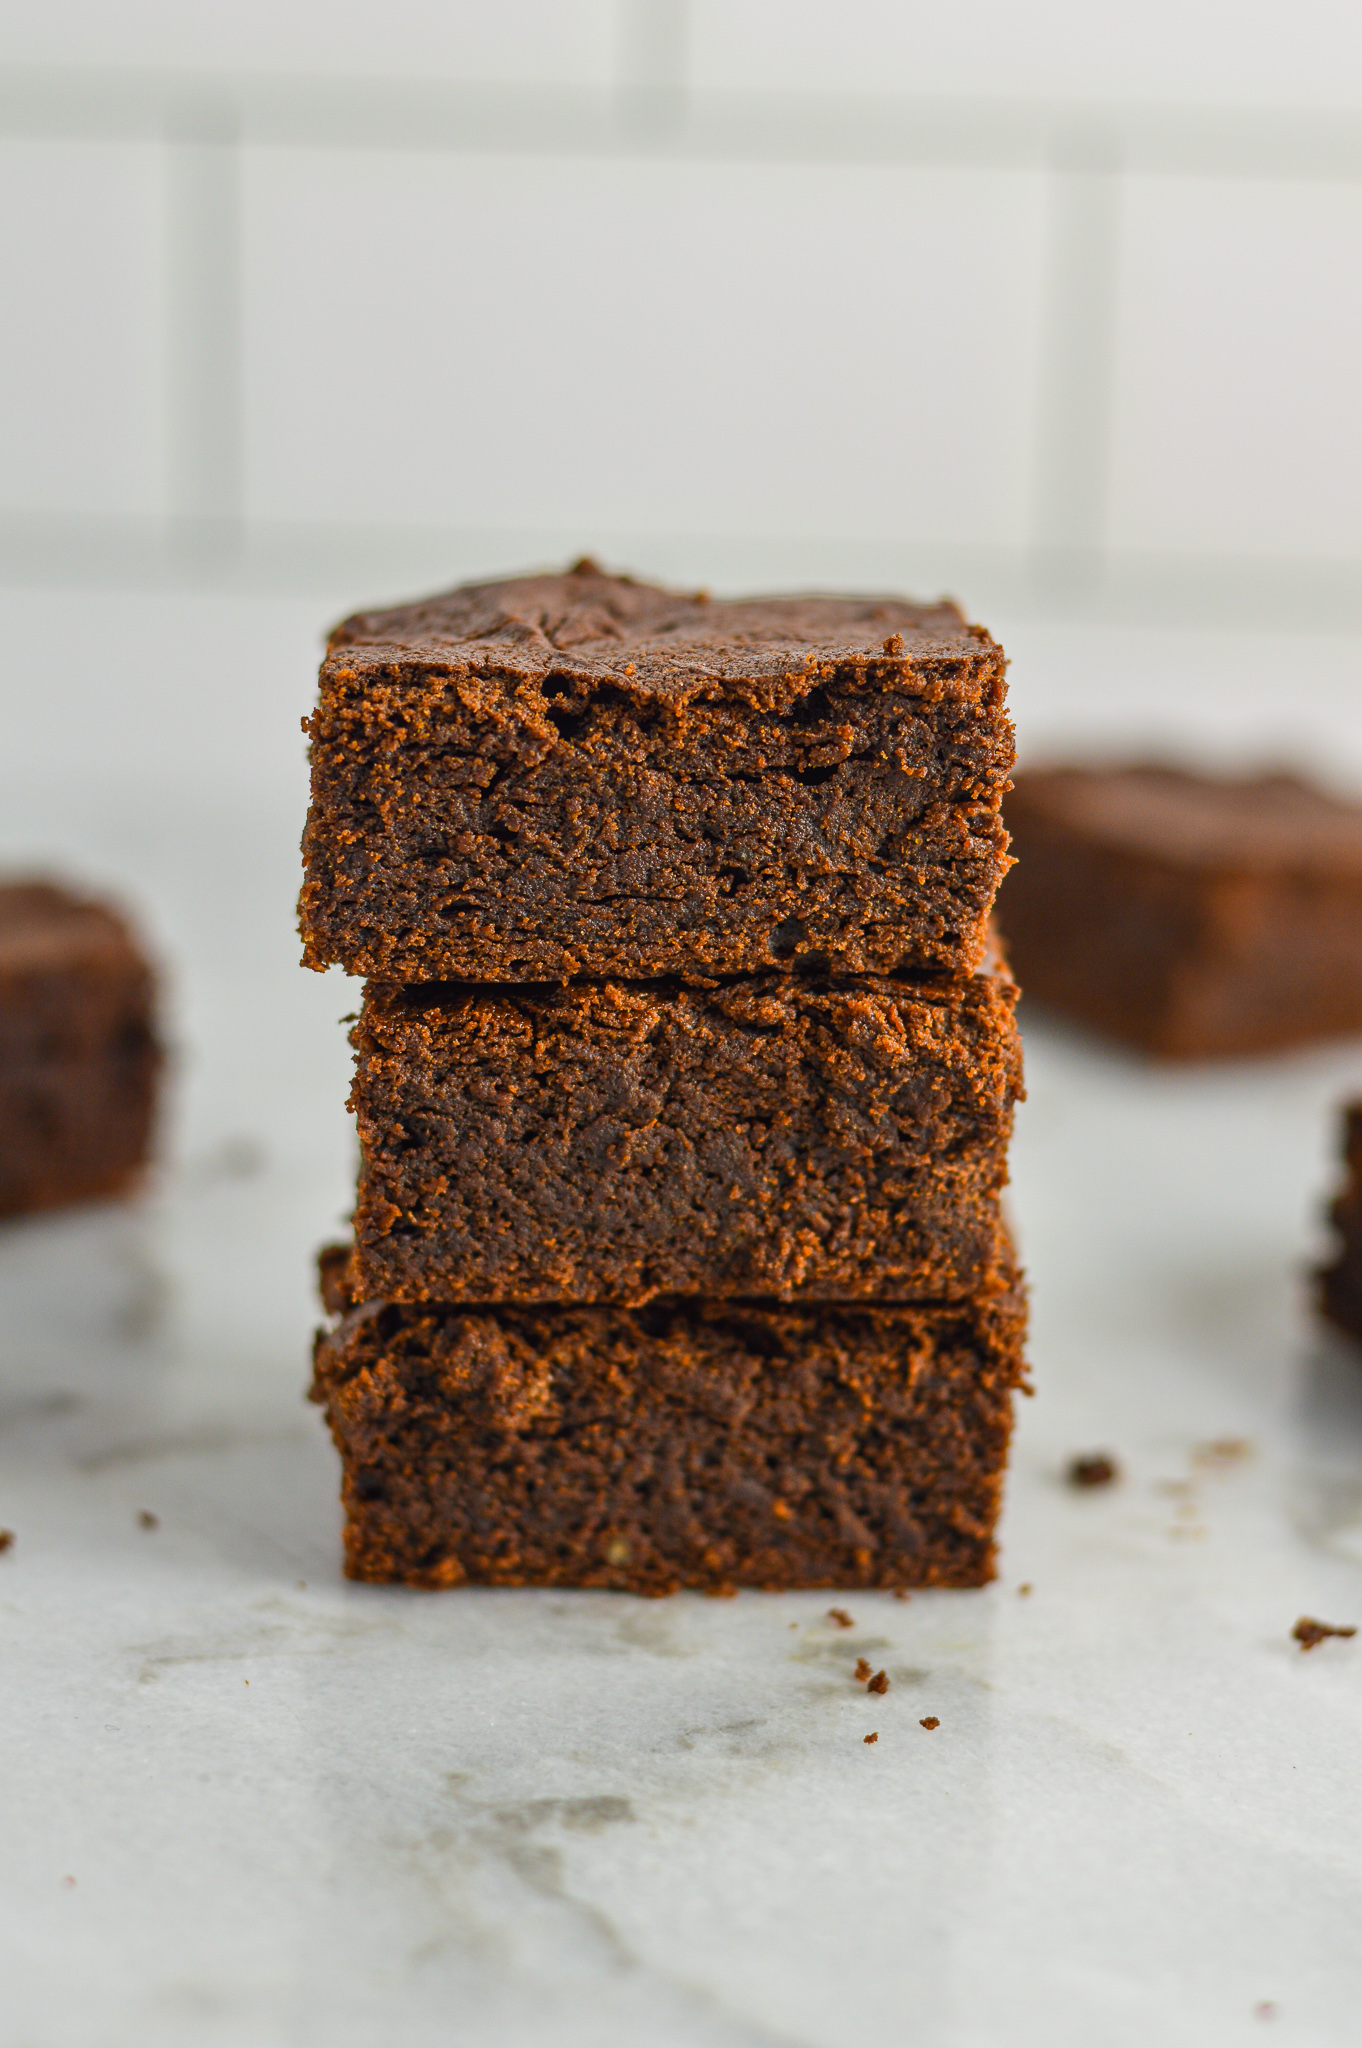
(575, 775)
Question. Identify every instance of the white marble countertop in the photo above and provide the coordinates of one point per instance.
(246, 1802)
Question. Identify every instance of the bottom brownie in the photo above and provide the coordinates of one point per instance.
(685, 1443)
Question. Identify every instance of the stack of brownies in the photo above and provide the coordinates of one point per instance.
(684, 1080)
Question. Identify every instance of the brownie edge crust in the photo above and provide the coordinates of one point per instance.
(684, 1444)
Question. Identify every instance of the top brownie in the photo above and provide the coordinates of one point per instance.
(583, 775)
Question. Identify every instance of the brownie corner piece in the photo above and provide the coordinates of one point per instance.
(1190, 916)
(573, 775)
(686, 1444)
(1339, 1283)
(79, 1055)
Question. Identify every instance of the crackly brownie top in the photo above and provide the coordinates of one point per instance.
(665, 641)
(43, 925)
(1270, 823)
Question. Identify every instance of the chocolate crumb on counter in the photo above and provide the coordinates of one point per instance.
(1093, 1468)
(1025, 1590)
(879, 1683)
(146, 1519)
(929, 1721)
(1308, 1632)
(6, 1539)
(1222, 1451)
(863, 1669)
(873, 1737)
(841, 1617)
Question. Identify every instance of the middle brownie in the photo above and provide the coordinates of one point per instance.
(782, 1136)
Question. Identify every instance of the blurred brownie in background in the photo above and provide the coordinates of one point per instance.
(1340, 1283)
(79, 1057)
(1191, 916)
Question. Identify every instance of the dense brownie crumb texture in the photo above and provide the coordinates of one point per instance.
(79, 1057)
(685, 1074)
(803, 1138)
(583, 775)
(687, 1443)
(1340, 1282)
(1190, 916)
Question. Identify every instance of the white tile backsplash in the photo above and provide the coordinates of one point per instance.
(82, 327)
(672, 347)
(1236, 423)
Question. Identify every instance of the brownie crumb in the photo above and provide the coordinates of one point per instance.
(1024, 1590)
(146, 1519)
(871, 1738)
(841, 1617)
(1093, 1468)
(929, 1721)
(902, 1593)
(863, 1669)
(1308, 1632)
(6, 1539)
(1222, 1451)
(879, 1683)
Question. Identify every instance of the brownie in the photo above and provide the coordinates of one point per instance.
(79, 1057)
(685, 1443)
(1191, 916)
(786, 1135)
(1340, 1282)
(581, 775)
